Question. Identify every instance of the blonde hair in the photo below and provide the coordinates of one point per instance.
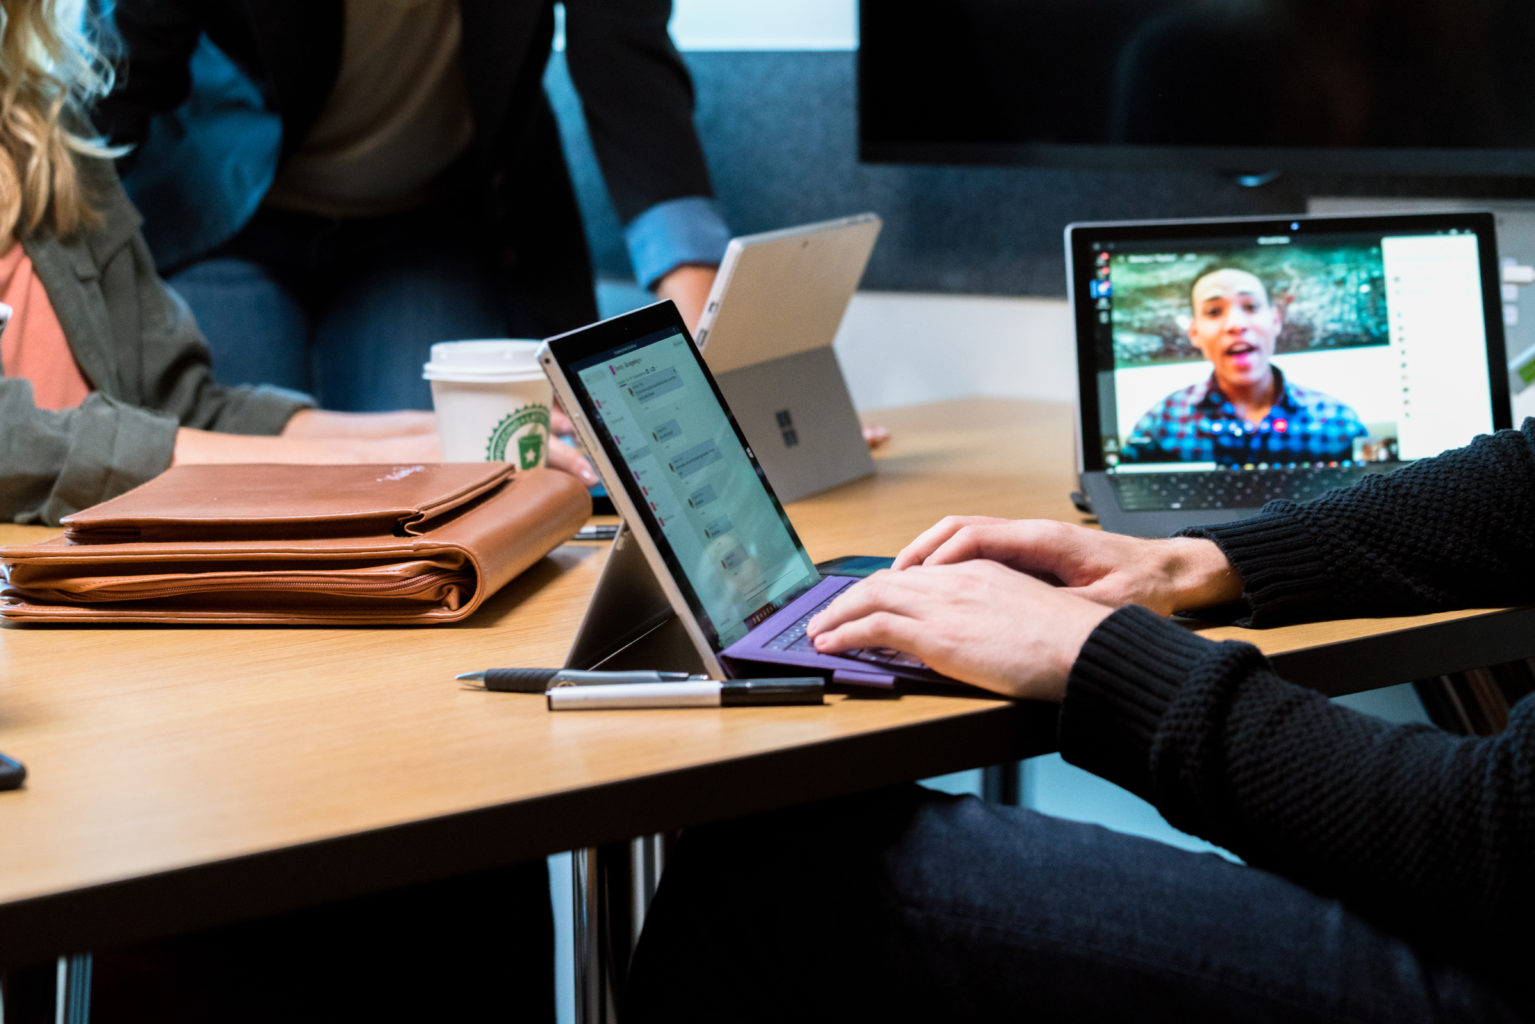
(50, 72)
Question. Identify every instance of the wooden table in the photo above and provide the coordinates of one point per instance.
(186, 777)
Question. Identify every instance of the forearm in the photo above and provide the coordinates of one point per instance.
(53, 463)
(1196, 572)
(1386, 816)
(202, 446)
(1453, 531)
(324, 423)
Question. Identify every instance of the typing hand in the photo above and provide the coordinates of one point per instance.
(1169, 575)
(975, 621)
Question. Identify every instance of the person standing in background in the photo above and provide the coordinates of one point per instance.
(333, 185)
(104, 378)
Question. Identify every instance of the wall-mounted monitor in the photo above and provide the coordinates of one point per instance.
(1412, 87)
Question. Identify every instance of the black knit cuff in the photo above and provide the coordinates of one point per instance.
(1126, 675)
(1283, 575)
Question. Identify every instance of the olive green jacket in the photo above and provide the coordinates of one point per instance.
(144, 357)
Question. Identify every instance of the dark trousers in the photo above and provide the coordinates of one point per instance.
(912, 905)
(474, 948)
(347, 310)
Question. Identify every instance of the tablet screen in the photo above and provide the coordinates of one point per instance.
(689, 473)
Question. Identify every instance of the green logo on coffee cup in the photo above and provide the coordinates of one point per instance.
(523, 432)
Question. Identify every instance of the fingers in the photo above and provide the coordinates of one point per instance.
(929, 540)
(878, 629)
(875, 436)
(872, 613)
(976, 621)
(567, 459)
(861, 599)
(1039, 547)
(918, 594)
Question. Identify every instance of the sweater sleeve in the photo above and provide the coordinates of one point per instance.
(53, 463)
(148, 364)
(638, 102)
(1457, 530)
(1428, 832)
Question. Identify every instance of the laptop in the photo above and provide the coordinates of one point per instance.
(706, 548)
(1224, 363)
(767, 332)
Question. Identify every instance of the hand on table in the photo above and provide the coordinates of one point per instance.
(976, 621)
(1168, 575)
(326, 423)
(321, 436)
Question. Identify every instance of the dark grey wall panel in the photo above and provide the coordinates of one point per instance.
(780, 129)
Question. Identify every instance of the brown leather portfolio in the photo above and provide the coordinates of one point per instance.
(296, 545)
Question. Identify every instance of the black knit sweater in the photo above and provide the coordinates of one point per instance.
(1431, 834)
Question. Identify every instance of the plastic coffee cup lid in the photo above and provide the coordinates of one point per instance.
(488, 360)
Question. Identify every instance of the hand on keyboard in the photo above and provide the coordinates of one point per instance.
(1164, 575)
(975, 621)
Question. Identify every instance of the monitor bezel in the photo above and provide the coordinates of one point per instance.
(877, 143)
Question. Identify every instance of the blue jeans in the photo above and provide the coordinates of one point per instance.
(913, 905)
(347, 310)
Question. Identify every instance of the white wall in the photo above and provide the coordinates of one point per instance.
(765, 24)
(900, 348)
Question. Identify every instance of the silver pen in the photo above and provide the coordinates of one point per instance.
(537, 680)
(695, 693)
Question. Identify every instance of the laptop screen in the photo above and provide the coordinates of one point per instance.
(1312, 341)
(688, 471)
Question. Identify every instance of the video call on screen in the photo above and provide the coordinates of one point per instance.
(1380, 338)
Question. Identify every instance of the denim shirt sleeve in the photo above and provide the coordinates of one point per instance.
(675, 233)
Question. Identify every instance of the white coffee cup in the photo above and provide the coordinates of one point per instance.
(492, 401)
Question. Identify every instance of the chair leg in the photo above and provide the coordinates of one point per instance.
(48, 993)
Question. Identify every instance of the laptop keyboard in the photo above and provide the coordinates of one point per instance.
(1145, 492)
(795, 639)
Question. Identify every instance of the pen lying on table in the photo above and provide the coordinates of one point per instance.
(693, 693)
(572, 689)
(537, 680)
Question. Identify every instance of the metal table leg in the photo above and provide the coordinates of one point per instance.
(612, 886)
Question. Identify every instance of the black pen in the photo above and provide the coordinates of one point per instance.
(537, 680)
(694, 693)
(12, 773)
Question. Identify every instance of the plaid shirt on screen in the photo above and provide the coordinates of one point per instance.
(1198, 424)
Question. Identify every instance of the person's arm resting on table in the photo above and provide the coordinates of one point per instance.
(320, 436)
(1427, 831)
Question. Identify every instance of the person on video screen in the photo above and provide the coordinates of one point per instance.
(1246, 410)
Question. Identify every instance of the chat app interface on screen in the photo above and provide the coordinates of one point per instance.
(695, 480)
(1378, 342)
